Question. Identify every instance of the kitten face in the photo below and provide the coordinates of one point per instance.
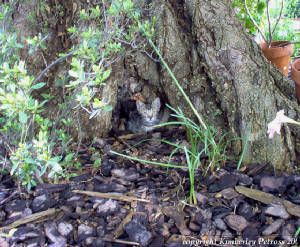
(149, 112)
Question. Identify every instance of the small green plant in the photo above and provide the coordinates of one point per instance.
(95, 157)
(30, 162)
(9, 47)
(35, 43)
(198, 134)
(39, 146)
(202, 141)
(297, 232)
(31, 154)
(99, 46)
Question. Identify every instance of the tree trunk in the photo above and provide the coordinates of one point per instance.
(219, 66)
(229, 81)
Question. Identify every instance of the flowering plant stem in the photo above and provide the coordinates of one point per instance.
(178, 85)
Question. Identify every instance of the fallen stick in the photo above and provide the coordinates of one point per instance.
(119, 241)
(268, 198)
(30, 218)
(113, 196)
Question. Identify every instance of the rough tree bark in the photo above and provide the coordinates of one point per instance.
(223, 71)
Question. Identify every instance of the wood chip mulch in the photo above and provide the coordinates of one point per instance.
(127, 203)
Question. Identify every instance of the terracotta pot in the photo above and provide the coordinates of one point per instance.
(296, 77)
(280, 56)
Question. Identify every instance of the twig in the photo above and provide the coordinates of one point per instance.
(30, 218)
(9, 198)
(271, 37)
(119, 231)
(130, 136)
(119, 241)
(271, 33)
(51, 65)
(136, 48)
(269, 24)
(63, 113)
(254, 22)
(148, 161)
(178, 85)
(268, 198)
(276, 22)
(79, 134)
(126, 144)
(113, 196)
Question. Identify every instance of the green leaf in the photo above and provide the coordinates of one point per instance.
(44, 168)
(94, 113)
(97, 162)
(38, 86)
(72, 29)
(14, 167)
(55, 167)
(78, 165)
(297, 232)
(41, 104)
(108, 108)
(25, 82)
(33, 182)
(55, 159)
(29, 160)
(23, 117)
(106, 74)
(73, 73)
(69, 157)
(29, 185)
(47, 96)
(17, 45)
(261, 7)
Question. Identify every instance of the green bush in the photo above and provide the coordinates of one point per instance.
(32, 135)
(292, 8)
(256, 9)
(22, 122)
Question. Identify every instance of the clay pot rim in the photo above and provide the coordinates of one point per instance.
(296, 72)
(275, 43)
(296, 62)
(274, 52)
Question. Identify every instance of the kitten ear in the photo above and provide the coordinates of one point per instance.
(140, 105)
(156, 103)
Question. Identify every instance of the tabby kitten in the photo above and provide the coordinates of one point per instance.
(145, 117)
